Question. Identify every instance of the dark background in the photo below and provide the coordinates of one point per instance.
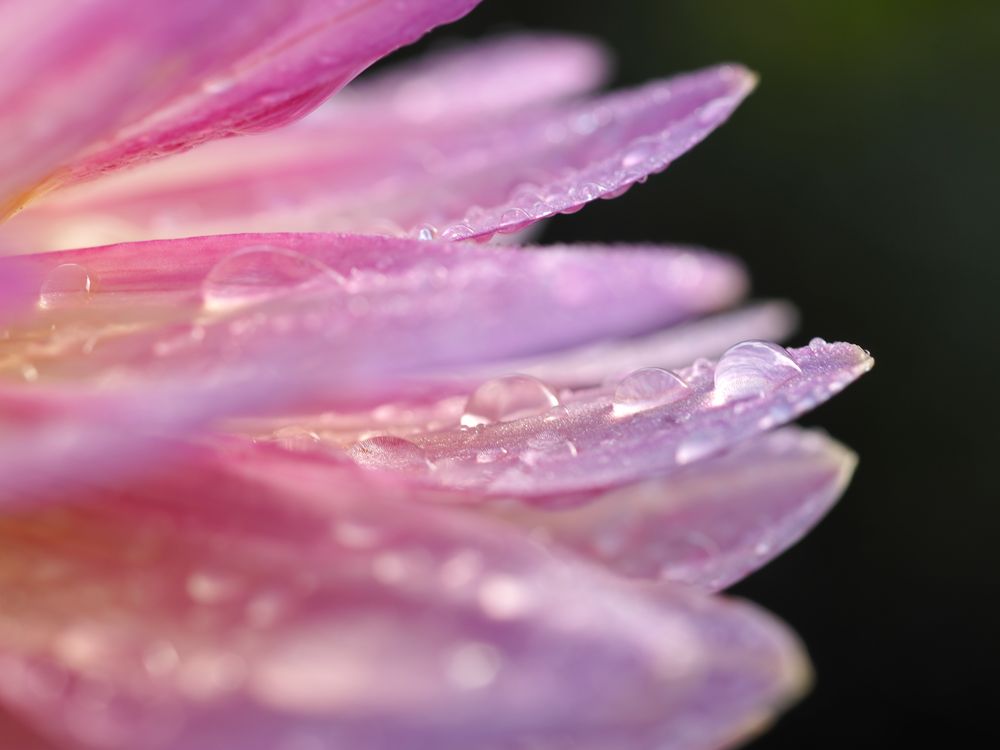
(861, 181)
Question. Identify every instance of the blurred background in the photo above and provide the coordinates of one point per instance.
(859, 181)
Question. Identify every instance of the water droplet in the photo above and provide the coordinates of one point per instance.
(503, 597)
(751, 370)
(390, 453)
(489, 455)
(354, 535)
(647, 389)
(556, 413)
(699, 444)
(425, 232)
(209, 587)
(507, 399)
(66, 284)
(297, 439)
(254, 274)
(817, 343)
(472, 666)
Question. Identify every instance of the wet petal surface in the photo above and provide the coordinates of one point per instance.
(115, 83)
(292, 606)
(350, 314)
(709, 525)
(450, 177)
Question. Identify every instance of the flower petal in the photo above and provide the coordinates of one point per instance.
(598, 439)
(711, 524)
(676, 346)
(115, 82)
(297, 608)
(486, 77)
(453, 179)
(353, 316)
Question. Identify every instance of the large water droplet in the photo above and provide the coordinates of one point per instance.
(254, 274)
(646, 389)
(390, 453)
(752, 369)
(66, 284)
(506, 399)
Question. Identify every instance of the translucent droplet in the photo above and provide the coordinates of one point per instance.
(66, 284)
(471, 666)
(254, 274)
(390, 453)
(425, 232)
(817, 343)
(647, 389)
(751, 370)
(698, 445)
(504, 597)
(297, 439)
(507, 399)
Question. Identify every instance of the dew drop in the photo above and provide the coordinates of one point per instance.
(698, 445)
(751, 370)
(647, 389)
(297, 439)
(506, 399)
(254, 274)
(390, 453)
(425, 232)
(472, 666)
(66, 284)
(504, 597)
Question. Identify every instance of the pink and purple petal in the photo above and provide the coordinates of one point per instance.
(454, 178)
(116, 83)
(708, 525)
(294, 607)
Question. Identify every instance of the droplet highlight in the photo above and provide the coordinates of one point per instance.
(506, 399)
(751, 370)
(389, 453)
(647, 389)
(65, 285)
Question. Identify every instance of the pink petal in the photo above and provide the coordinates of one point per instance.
(366, 313)
(676, 346)
(585, 444)
(453, 178)
(708, 525)
(113, 83)
(486, 77)
(298, 608)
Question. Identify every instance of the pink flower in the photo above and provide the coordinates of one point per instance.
(277, 487)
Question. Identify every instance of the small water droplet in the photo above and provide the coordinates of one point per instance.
(556, 413)
(297, 439)
(390, 453)
(699, 444)
(506, 399)
(817, 343)
(503, 597)
(66, 284)
(647, 389)
(425, 232)
(209, 587)
(255, 274)
(751, 370)
(489, 455)
(472, 666)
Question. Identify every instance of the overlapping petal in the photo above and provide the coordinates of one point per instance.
(112, 83)
(710, 524)
(453, 177)
(352, 315)
(166, 617)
